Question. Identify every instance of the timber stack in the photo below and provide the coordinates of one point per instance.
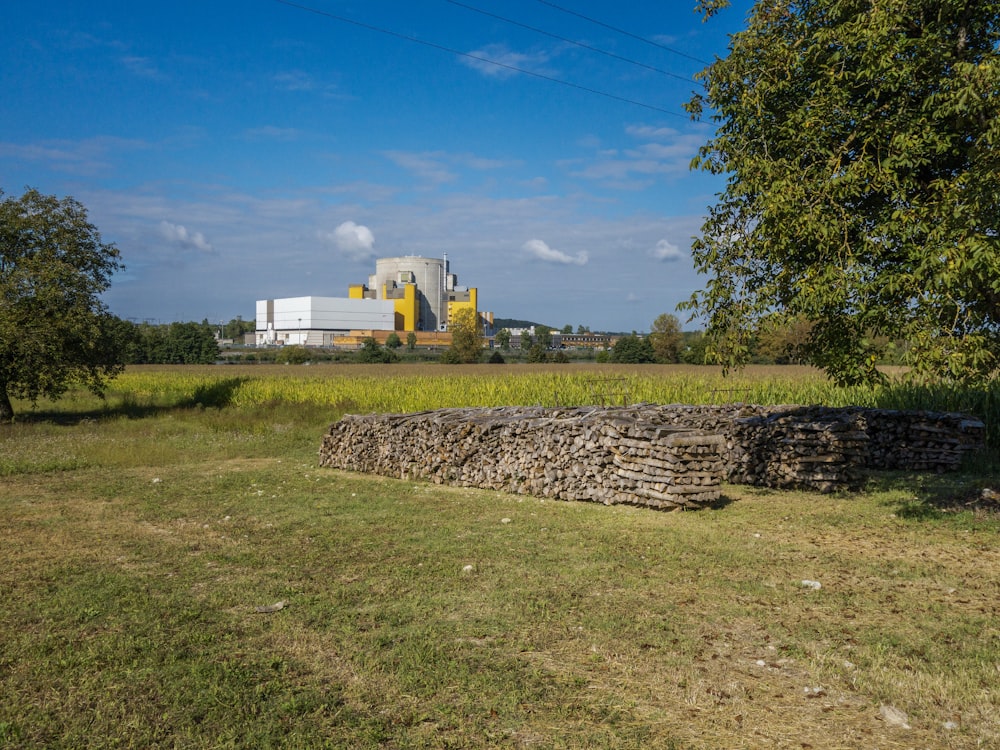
(661, 456)
(606, 455)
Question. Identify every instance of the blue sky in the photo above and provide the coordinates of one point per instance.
(237, 151)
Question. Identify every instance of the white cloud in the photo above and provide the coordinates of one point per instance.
(353, 240)
(661, 152)
(90, 156)
(180, 234)
(142, 67)
(272, 132)
(541, 251)
(498, 61)
(294, 80)
(666, 250)
(428, 166)
(648, 131)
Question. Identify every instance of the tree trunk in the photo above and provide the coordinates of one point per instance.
(6, 410)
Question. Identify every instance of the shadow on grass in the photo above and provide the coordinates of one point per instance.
(927, 496)
(217, 395)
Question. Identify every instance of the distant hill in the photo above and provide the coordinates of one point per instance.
(499, 323)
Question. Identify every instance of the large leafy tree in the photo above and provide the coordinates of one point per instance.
(54, 329)
(861, 143)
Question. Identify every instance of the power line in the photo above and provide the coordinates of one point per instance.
(623, 31)
(480, 58)
(571, 41)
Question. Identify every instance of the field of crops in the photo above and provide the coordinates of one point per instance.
(378, 388)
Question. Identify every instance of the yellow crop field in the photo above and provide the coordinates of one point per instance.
(415, 388)
(407, 388)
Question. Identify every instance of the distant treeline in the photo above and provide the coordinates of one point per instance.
(170, 343)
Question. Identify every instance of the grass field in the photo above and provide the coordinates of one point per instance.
(139, 536)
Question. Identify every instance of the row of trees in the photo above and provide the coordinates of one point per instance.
(173, 344)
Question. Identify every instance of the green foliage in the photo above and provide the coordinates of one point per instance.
(632, 350)
(411, 341)
(466, 337)
(293, 354)
(237, 328)
(393, 341)
(537, 354)
(371, 353)
(502, 339)
(172, 344)
(860, 141)
(543, 336)
(496, 358)
(449, 357)
(54, 329)
(693, 348)
(666, 338)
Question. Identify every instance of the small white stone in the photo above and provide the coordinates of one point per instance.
(761, 663)
(893, 716)
(807, 584)
(504, 520)
(950, 725)
(467, 569)
(157, 480)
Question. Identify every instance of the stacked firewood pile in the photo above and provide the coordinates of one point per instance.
(920, 440)
(589, 453)
(671, 456)
(825, 448)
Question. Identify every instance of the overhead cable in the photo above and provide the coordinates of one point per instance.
(686, 79)
(480, 58)
(623, 32)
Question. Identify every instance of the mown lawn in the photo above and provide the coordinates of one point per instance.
(136, 546)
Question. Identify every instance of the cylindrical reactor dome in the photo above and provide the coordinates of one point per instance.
(429, 274)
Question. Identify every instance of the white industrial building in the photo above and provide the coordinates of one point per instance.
(315, 321)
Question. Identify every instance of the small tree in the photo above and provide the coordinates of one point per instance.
(466, 336)
(666, 338)
(537, 354)
(632, 350)
(371, 353)
(54, 329)
(293, 354)
(392, 341)
(411, 341)
(693, 348)
(502, 339)
(543, 336)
